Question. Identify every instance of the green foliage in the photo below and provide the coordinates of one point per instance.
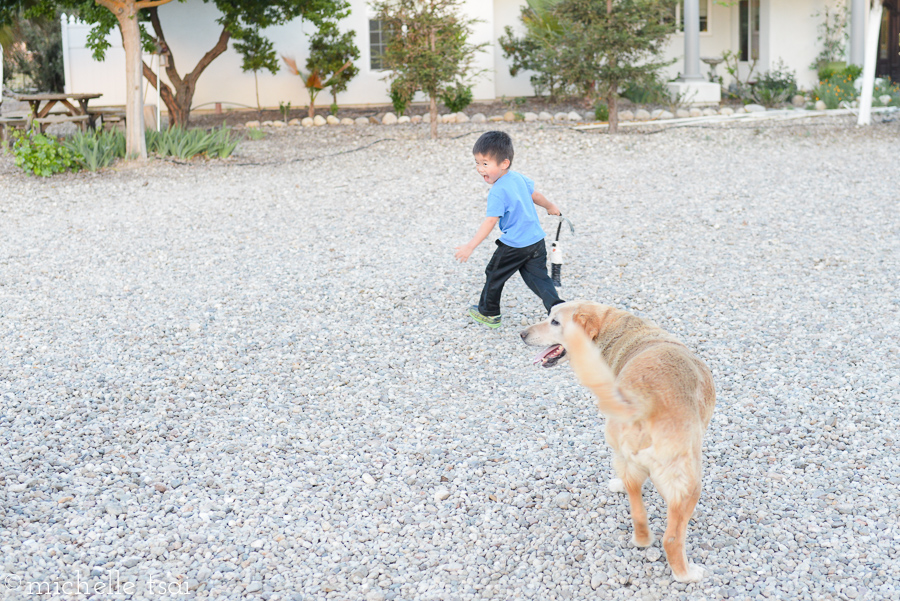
(836, 90)
(254, 133)
(257, 53)
(647, 90)
(577, 47)
(38, 154)
(34, 50)
(884, 87)
(429, 49)
(538, 50)
(775, 86)
(188, 143)
(401, 93)
(601, 111)
(329, 51)
(285, 109)
(334, 108)
(96, 149)
(457, 98)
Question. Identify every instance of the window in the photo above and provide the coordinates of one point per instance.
(378, 38)
(677, 10)
(749, 17)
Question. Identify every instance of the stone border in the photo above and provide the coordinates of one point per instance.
(626, 117)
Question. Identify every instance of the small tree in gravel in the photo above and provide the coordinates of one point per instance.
(596, 46)
(329, 50)
(539, 50)
(258, 53)
(428, 49)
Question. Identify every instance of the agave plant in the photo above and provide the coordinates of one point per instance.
(313, 81)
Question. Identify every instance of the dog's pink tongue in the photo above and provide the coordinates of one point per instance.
(543, 354)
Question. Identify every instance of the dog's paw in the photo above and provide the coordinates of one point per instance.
(694, 574)
(616, 485)
(646, 542)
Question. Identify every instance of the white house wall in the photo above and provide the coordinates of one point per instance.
(789, 31)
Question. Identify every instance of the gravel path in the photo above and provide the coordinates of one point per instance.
(257, 377)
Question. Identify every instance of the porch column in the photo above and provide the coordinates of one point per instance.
(857, 31)
(691, 14)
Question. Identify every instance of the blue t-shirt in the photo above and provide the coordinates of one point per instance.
(510, 200)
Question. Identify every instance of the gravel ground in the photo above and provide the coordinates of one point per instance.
(256, 377)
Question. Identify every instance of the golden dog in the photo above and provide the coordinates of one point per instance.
(658, 398)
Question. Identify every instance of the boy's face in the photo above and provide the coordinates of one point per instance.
(489, 168)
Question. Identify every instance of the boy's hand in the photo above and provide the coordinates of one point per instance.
(552, 209)
(463, 253)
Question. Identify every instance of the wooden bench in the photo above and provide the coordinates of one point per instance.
(111, 117)
(81, 121)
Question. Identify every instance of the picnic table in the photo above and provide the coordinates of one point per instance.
(75, 105)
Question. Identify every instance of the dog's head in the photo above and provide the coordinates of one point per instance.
(551, 333)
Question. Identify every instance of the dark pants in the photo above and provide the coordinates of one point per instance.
(531, 262)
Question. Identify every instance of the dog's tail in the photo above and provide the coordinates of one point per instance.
(595, 375)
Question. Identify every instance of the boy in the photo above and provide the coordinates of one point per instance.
(521, 246)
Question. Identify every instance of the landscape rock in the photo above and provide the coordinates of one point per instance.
(726, 110)
(403, 119)
(641, 115)
(574, 116)
(319, 121)
(798, 100)
(509, 116)
(545, 116)
(389, 119)
(347, 121)
(682, 113)
(332, 120)
(479, 118)
(462, 117)
(561, 116)
(306, 122)
(754, 108)
(530, 117)
(820, 105)
(695, 112)
(361, 121)
(626, 115)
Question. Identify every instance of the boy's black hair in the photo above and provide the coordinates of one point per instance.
(495, 144)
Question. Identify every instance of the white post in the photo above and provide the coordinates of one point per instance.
(691, 18)
(857, 31)
(158, 86)
(868, 75)
(67, 59)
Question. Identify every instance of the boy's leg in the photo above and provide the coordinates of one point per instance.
(534, 272)
(505, 262)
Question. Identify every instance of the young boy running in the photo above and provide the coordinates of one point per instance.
(521, 248)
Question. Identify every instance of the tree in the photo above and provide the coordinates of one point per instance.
(329, 50)
(315, 81)
(604, 44)
(258, 53)
(539, 50)
(428, 48)
(34, 49)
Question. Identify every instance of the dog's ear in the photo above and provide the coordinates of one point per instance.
(589, 322)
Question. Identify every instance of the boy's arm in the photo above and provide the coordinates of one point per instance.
(541, 201)
(463, 252)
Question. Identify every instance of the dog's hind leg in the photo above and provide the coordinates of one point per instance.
(680, 510)
(633, 479)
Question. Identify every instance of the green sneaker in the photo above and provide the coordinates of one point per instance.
(491, 322)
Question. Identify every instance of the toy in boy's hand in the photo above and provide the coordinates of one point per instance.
(556, 253)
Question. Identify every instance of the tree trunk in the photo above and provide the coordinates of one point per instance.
(135, 142)
(612, 88)
(432, 112)
(612, 104)
(179, 102)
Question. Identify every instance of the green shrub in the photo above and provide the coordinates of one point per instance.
(886, 87)
(38, 154)
(601, 111)
(834, 91)
(188, 143)
(457, 98)
(401, 93)
(254, 133)
(97, 149)
(649, 91)
(775, 86)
